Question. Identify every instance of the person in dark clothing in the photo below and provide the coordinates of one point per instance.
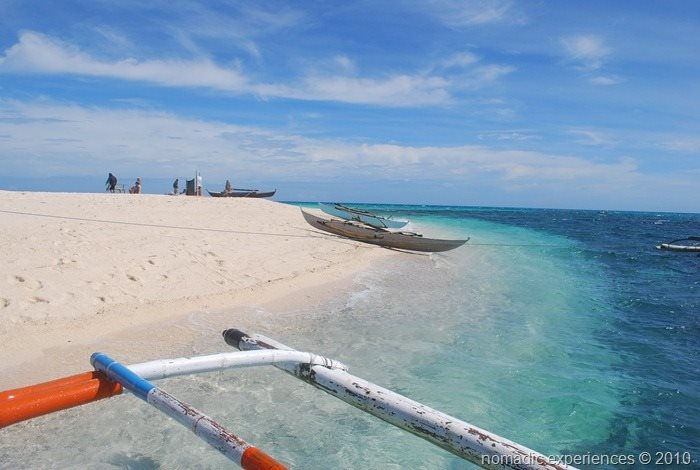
(176, 186)
(111, 183)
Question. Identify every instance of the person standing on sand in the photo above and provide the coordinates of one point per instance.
(176, 186)
(111, 183)
(199, 184)
(227, 187)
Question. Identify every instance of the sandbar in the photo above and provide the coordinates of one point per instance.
(81, 271)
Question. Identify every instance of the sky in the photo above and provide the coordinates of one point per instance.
(549, 103)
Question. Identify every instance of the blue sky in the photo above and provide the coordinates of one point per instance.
(563, 104)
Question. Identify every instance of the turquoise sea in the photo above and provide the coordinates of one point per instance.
(563, 330)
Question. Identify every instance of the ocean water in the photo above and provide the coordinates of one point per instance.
(565, 331)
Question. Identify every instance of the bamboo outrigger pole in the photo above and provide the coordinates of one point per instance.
(465, 440)
(469, 442)
(232, 446)
(24, 403)
(111, 378)
(36, 400)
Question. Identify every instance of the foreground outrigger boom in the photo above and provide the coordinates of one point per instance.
(469, 442)
(232, 446)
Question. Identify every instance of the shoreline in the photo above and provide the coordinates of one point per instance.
(84, 271)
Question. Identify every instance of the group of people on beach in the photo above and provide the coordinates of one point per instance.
(111, 185)
(197, 186)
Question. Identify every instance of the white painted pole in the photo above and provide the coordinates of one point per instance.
(465, 440)
(288, 359)
(233, 447)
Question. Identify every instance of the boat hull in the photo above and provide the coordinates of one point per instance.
(242, 193)
(673, 247)
(381, 237)
(688, 245)
(347, 213)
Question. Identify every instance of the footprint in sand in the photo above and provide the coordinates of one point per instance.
(15, 279)
(64, 261)
(5, 302)
(131, 278)
(38, 300)
(29, 284)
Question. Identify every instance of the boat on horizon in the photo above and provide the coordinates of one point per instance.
(689, 245)
(358, 215)
(242, 193)
(378, 236)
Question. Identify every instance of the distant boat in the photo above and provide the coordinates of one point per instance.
(242, 193)
(690, 244)
(366, 217)
(381, 237)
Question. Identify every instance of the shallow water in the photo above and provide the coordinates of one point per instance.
(564, 331)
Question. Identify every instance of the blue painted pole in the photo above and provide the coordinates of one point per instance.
(232, 446)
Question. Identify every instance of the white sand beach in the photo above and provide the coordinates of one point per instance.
(79, 271)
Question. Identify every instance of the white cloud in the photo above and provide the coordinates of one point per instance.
(234, 24)
(461, 13)
(462, 59)
(682, 144)
(606, 80)
(465, 71)
(588, 50)
(487, 74)
(45, 137)
(191, 24)
(591, 137)
(40, 54)
(509, 135)
(398, 90)
(115, 39)
(344, 63)
(36, 53)
(588, 53)
(42, 138)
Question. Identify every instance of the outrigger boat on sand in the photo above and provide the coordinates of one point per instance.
(242, 193)
(382, 237)
(110, 378)
(366, 217)
(689, 245)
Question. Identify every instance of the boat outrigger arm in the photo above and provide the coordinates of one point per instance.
(469, 442)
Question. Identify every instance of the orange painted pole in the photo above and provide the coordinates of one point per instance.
(36, 388)
(255, 459)
(35, 400)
